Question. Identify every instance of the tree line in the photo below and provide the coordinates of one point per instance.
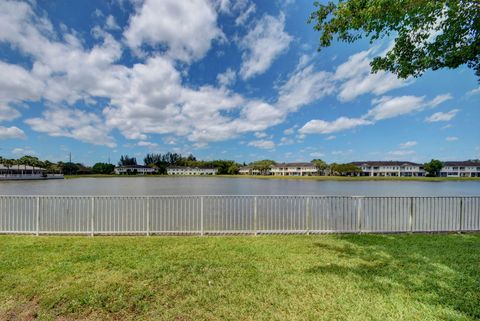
(161, 161)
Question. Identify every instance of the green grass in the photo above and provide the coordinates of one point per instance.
(330, 277)
(314, 178)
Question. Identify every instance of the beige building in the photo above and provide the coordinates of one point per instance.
(294, 169)
(460, 169)
(390, 168)
(184, 170)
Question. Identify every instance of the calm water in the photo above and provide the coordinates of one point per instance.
(235, 186)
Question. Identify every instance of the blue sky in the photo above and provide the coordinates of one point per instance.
(222, 79)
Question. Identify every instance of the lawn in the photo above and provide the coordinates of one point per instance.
(326, 277)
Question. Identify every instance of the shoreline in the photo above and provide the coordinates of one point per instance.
(307, 178)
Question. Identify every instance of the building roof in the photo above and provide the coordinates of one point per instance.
(293, 165)
(461, 163)
(386, 163)
(134, 166)
(188, 167)
(21, 167)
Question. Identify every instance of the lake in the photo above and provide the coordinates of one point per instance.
(235, 186)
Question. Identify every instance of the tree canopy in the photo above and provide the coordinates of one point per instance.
(433, 167)
(428, 34)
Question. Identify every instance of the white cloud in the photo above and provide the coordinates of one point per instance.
(227, 78)
(111, 24)
(262, 45)
(289, 131)
(441, 116)
(389, 107)
(262, 144)
(8, 113)
(73, 123)
(356, 78)
(11, 133)
(261, 135)
(317, 154)
(303, 87)
(187, 28)
(473, 92)
(451, 138)
(147, 144)
(286, 141)
(19, 152)
(332, 137)
(317, 126)
(245, 15)
(440, 99)
(402, 152)
(408, 144)
(384, 108)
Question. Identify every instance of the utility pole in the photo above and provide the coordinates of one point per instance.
(70, 157)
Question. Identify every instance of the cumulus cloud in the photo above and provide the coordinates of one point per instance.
(19, 152)
(227, 78)
(442, 116)
(262, 144)
(408, 144)
(73, 123)
(356, 77)
(262, 45)
(151, 96)
(383, 108)
(318, 126)
(186, 28)
(11, 133)
(389, 107)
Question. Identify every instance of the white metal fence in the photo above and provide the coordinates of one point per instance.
(202, 215)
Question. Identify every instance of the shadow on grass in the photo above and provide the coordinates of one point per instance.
(437, 270)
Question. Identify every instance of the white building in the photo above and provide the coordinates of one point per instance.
(294, 169)
(390, 168)
(460, 169)
(134, 169)
(184, 170)
(248, 170)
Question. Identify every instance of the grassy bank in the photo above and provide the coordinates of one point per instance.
(308, 178)
(351, 277)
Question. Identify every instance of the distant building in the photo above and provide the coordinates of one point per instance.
(249, 170)
(461, 169)
(184, 170)
(22, 172)
(294, 169)
(390, 168)
(134, 169)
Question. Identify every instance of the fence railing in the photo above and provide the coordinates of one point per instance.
(95, 215)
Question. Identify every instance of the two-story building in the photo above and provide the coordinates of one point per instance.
(390, 168)
(249, 170)
(134, 169)
(185, 170)
(294, 169)
(460, 169)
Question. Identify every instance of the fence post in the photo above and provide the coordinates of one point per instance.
(410, 217)
(255, 215)
(359, 214)
(38, 217)
(148, 216)
(92, 216)
(461, 214)
(307, 215)
(202, 233)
